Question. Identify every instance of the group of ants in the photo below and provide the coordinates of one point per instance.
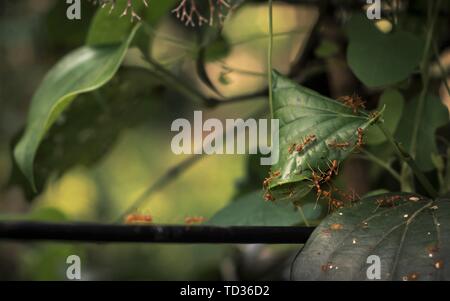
(320, 178)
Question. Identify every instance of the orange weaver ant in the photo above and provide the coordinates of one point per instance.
(272, 175)
(335, 204)
(355, 102)
(333, 169)
(138, 218)
(309, 139)
(292, 148)
(360, 141)
(349, 197)
(269, 197)
(194, 220)
(321, 178)
(387, 202)
(336, 144)
(316, 178)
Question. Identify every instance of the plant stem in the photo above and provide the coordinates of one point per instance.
(302, 214)
(371, 157)
(264, 36)
(269, 58)
(407, 159)
(170, 175)
(175, 82)
(425, 82)
(432, 16)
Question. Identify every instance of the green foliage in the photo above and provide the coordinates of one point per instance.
(88, 129)
(85, 69)
(303, 112)
(379, 59)
(109, 27)
(409, 233)
(433, 116)
(394, 102)
(252, 210)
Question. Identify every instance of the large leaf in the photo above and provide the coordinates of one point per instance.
(91, 125)
(252, 210)
(409, 233)
(434, 115)
(83, 70)
(301, 113)
(380, 59)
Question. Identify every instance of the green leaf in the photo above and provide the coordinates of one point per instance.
(83, 70)
(109, 27)
(411, 238)
(91, 125)
(379, 59)
(253, 210)
(303, 112)
(435, 115)
(394, 102)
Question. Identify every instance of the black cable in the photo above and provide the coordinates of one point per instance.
(108, 233)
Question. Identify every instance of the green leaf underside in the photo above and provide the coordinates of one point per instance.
(410, 239)
(252, 210)
(81, 71)
(380, 59)
(303, 112)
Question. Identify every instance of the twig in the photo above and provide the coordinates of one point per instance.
(169, 176)
(425, 80)
(371, 157)
(269, 58)
(407, 159)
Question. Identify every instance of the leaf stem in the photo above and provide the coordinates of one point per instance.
(407, 159)
(269, 58)
(371, 157)
(175, 82)
(425, 79)
(432, 16)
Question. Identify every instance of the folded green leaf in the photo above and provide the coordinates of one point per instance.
(410, 234)
(83, 70)
(303, 113)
